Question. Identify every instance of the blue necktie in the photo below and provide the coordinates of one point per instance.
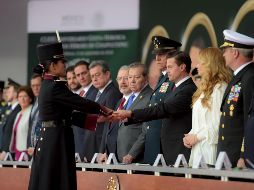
(130, 101)
(97, 96)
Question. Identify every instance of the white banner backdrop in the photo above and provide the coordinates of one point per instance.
(85, 15)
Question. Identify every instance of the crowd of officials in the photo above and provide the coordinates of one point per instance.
(135, 120)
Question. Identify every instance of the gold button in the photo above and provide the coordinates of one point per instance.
(44, 129)
(148, 127)
(222, 126)
(41, 139)
(39, 149)
(224, 113)
(222, 138)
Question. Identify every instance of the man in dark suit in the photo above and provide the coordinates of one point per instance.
(175, 109)
(34, 123)
(85, 139)
(108, 94)
(11, 115)
(162, 46)
(72, 81)
(238, 53)
(108, 143)
(130, 141)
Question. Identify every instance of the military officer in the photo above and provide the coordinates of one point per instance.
(238, 53)
(162, 46)
(11, 111)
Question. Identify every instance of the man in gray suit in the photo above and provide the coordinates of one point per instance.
(130, 141)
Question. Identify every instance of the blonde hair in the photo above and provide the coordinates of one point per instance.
(216, 72)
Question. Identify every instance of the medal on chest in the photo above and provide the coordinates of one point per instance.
(231, 110)
(164, 87)
(234, 93)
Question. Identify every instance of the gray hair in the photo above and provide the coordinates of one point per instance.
(101, 63)
(246, 52)
(124, 67)
(138, 64)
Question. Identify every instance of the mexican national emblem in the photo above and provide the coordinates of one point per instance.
(113, 183)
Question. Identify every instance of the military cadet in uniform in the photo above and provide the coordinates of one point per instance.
(162, 46)
(238, 53)
(54, 162)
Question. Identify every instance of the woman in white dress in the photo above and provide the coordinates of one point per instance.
(206, 101)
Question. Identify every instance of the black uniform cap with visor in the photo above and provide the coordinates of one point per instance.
(164, 45)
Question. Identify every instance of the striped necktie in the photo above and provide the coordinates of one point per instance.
(120, 107)
(82, 93)
(97, 96)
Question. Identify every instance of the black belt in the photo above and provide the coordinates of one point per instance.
(55, 123)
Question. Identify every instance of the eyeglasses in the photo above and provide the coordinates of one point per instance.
(136, 77)
(121, 78)
(96, 75)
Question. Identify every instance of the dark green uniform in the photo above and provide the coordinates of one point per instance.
(153, 135)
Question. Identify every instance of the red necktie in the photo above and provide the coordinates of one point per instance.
(82, 93)
(120, 107)
(173, 89)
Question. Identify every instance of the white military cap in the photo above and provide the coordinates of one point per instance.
(237, 40)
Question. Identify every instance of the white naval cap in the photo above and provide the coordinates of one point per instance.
(237, 40)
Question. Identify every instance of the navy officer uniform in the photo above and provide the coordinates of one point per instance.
(237, 96)
(54, 164)
(162, 45)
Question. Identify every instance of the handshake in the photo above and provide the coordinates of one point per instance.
(110, 115)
